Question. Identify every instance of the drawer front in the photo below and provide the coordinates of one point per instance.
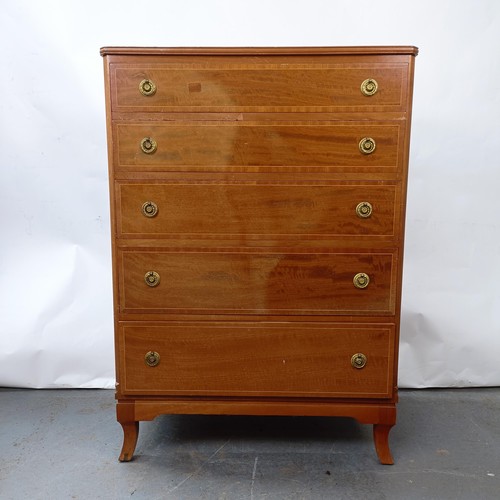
(258, 144)
(257, 360)
(222, 86)
(255, 209)
(209, 282)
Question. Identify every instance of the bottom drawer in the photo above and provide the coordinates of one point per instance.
(257, 360)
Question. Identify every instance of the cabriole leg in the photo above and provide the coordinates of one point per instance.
(125, 415)
(381, 439)
(130, 435)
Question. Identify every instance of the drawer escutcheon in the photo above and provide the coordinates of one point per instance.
(148, 145)
(152, 278)
(369, 87)
(364, 209)
(361, 280)
(149, 209)
(367, 145)
(152, 358)
(358, 360)
(147, 88)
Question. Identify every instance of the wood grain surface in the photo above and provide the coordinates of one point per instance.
(256, 175)
(265, 360)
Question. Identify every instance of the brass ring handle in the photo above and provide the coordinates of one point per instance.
(364, 209)
(369, 87)
(367, 145)
(152, 358)
(358, 360)
(361, 280)
(152, 278)
(149, 209)
(148, 145)
(147, 87)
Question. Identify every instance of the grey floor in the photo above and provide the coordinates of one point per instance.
(58, 444)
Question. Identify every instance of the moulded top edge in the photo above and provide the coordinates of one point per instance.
(158, 51)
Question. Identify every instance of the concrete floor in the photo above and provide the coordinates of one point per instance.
(58, 444)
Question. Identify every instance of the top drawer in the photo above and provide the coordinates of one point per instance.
(258, 84)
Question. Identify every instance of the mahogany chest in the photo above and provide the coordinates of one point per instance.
(257, 210)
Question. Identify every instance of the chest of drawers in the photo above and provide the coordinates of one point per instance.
(257, 208)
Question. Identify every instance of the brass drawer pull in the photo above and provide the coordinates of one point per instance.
(361, 280)
(149, 209)
(358, 360)
(148, 145)
(367, 145)
(369, 87)
(147, 87)
(152, 358)
(364, 209)
(152, 278)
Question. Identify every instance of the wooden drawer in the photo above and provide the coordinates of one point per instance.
(235, 359)
(281, 85)
(277, 209)
(205, 145)
(254, 282)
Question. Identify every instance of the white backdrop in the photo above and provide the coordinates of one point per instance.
(55, 294)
